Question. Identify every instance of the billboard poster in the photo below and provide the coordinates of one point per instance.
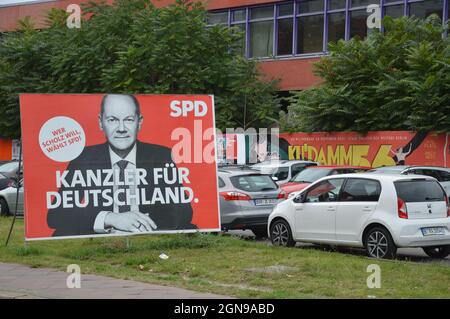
(116, 165)
(374, 149)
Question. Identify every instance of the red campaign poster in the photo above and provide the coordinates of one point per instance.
(114, 165)
(374, 149)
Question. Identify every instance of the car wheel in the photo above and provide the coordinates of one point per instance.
(260, 232)
(4, 209)
(437, 251)
(379, 244)
(281, 234)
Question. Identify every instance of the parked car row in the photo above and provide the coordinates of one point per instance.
(376, 209)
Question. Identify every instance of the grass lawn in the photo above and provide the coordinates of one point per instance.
(230, 266)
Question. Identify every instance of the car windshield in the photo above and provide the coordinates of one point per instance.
(254, 183)
(280, 173)
(310, 175)
(416, 191)
(10, 167)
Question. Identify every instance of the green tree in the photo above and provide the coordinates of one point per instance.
(134, 47)
(396, 80)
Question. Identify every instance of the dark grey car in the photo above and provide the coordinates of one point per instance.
(247, 197)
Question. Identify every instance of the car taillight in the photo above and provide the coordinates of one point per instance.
(282, 195)
(448, 205)
(234, 196)
(402, 211)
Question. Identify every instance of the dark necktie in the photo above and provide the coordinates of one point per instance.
(122, 195)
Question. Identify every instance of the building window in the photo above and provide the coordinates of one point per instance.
(358, 23)
(285, 9)
(261, 13)
(310, 34)
(336, 26)
(238, 16)
(363, 3)
(336, 4)
(308, 6)
(285, 33)
(394, 11)
(218, 18)
(261, 39)
(426, 8)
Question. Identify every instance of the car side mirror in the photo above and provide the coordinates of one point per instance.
(275, 178)
(300, 198)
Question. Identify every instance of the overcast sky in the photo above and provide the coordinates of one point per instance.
(13, 2)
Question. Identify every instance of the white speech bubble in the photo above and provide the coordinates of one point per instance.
(62, 139)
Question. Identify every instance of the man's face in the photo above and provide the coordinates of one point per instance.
(120, 122)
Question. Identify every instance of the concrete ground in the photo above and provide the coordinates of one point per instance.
(23, 282)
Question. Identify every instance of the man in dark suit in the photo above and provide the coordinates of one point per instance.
(120, 119)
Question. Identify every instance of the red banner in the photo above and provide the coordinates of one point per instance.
(374, 149)
(109, 165)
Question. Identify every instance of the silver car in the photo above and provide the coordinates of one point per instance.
(282, 171)
(247, 197)
(8, 200)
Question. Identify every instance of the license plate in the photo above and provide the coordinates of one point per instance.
(430, 231)
(262, 202)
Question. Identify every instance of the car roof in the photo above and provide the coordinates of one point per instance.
(378, 176)
(392, 168)
(277, 163)
(235, 172)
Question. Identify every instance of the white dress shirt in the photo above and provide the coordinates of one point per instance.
(99, 225)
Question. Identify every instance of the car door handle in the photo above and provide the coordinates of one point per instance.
(331, 209)
(367, 209)
(298, 208)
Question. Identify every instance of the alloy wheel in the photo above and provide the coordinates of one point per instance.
(280, 234)
(377, 244)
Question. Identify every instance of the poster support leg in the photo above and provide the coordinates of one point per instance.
(128, 242)
(17, 183)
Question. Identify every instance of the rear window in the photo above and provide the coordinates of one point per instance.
(310, 175)
(281, 173)
(419, 191)
(254, 183)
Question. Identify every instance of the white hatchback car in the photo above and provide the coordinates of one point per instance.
(379, 212)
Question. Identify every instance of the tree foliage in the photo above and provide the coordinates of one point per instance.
(396, 80)
(134, 47)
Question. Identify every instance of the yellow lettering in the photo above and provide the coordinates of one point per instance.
(359, 155)
(382, 157)
(332, 156)
(344, 157)
(293, 152)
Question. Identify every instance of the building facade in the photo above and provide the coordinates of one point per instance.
(287, 36)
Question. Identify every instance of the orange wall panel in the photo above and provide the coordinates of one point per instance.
(5, 149)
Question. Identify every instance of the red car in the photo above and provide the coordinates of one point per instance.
(313, 173)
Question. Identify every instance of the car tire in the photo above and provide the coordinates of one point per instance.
(281, 234)
(259, 232)
(4, 209)
(379, 244)
(437, 252)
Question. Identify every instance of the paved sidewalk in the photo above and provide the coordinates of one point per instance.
(19, 281)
